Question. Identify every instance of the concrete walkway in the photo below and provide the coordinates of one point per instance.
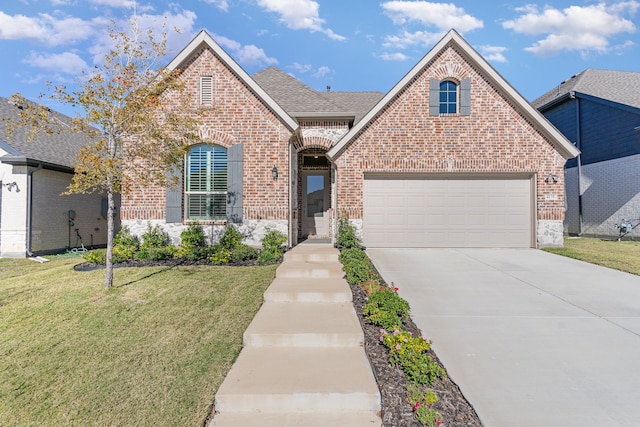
(532, 339)
(303, 361)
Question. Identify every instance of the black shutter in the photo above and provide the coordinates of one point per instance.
(173, 204)
(234, 183)
(434, 97)
(465, 97)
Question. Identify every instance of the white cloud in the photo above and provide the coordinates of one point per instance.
(129, 4)
(442, 16)
(322, 71)
(397, 56)
(247, 55)
(407, 39)
(45, 29)
(302, 68)
(220, 4)
(299, 15)
(66, 63)
(493, 53)
(575, 28)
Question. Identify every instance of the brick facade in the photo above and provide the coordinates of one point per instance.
(495, 138)
(237, 116)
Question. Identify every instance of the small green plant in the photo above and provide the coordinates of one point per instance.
(409, 353)
(99, 256)
(192, 246)
(125, 245)
(231, 238)
(243, 252)
(272, 247)
(421, 402)
(386, 308)
(219, 255)
(155, 237)
(346, 237)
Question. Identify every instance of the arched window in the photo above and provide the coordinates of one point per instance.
(448, 97)
(206, 183)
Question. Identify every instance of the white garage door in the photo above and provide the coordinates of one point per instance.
(461, 212)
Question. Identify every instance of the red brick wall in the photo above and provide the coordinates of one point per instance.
(495, 138)
(237, 116)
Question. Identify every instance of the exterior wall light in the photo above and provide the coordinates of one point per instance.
(11, 185)
(551, 179)
(274, 172)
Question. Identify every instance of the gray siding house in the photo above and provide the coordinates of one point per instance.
(35, 218)
(599, 111)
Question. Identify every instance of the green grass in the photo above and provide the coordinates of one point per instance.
(624, 256)
(152, 351)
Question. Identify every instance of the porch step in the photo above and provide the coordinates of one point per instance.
(305, 325)
(271, 380)
(313, 253)
(308, 269)
(286, 289)
(360, 419)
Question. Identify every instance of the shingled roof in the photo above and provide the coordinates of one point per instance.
(298, 99)
(622, 87)
(58, 149)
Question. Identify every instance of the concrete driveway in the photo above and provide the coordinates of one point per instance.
(532, 338)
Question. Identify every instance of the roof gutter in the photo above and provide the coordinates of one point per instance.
(30, 207)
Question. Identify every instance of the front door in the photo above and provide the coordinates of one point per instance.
(315, 203)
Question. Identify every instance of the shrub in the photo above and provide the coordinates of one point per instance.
(421, 401)
(99, 256)
(243, 252)
(272, 247)
(219, 255)
(231, 238)
(125, 244)
(155, 237)
(386, 308)
(346, 237)
(409, 353)
(192, 246)
(349, 254)
(155, 253)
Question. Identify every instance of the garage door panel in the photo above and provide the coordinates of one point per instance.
(448, 213)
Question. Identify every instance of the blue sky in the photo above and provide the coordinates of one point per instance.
(351, 45)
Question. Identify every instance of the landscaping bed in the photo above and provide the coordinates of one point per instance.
(455, 410)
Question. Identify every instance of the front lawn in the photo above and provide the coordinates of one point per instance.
(152, 351)
(624, 256)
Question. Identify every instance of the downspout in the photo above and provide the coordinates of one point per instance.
(579, 162)
(30, 206)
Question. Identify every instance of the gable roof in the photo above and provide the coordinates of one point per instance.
(203, 38)
(299, 100)
(556, 138)
(57, 150)
(622, 87)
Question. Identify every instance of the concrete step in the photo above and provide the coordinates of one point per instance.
(284, 289)
(283, 379)
(290, 419)
(306, 269)
(305, 324)
(313, 253)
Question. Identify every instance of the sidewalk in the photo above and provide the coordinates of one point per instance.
(303, 361)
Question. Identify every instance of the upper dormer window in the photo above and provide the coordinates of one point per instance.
(206, 90)
(448, 97)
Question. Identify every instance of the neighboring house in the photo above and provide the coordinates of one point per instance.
(599, 111)
(35, 218)
(451, 156)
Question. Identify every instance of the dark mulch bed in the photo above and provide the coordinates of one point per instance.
(89, 266)
(396, 411)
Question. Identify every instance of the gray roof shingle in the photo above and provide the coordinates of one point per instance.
(622, 87)
(58, 148)
(297, 98)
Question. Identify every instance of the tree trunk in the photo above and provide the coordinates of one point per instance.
(111, 213)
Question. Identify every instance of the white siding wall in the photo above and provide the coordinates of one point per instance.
(13, 224)
(610, 193)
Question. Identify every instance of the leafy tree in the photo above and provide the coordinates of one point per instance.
(138, 116)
